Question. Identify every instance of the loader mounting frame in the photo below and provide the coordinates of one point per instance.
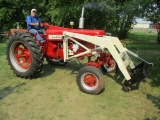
(116, 49)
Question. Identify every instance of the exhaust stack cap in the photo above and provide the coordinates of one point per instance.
(71, 23)
(81, 20)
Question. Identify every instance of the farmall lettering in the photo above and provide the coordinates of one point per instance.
(55, 37)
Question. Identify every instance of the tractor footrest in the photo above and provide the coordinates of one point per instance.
(137, 74)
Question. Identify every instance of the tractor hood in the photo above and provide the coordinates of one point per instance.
(55, 30)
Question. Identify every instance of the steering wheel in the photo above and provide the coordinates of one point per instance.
(45, 25)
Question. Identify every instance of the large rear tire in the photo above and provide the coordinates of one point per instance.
(90, 80)
(24, 55)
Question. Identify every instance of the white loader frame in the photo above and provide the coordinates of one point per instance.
(113, 45)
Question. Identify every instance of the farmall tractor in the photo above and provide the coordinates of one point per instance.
(25, 55)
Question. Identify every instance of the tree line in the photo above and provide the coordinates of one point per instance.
(115, 16)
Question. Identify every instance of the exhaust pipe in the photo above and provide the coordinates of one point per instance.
(81, 20)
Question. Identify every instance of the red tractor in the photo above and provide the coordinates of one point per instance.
(25, 54)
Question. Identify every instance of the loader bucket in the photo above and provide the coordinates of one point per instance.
(137, 74)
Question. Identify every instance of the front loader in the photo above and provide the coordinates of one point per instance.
(117, 51)
(62, 45)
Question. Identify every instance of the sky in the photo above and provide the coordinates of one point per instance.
(139, 20)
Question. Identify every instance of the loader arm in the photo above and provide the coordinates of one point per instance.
(113, 45)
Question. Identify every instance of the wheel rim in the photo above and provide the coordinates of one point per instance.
(109, 65)
(20, 56)
(89, 81)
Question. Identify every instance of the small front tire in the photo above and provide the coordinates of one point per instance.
(109, 68)
(90, 80)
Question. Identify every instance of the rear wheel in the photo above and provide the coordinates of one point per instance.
(90, 80)
(24, 55)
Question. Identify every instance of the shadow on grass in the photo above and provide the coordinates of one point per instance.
(8, 90)
(73, 67)
(155, 82)
(154, 99)
(150, 118)
(48, 69)
(155, 76)
(119, 78)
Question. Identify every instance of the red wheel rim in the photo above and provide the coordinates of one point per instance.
(110, 63)
(22, 55)
(90, 80)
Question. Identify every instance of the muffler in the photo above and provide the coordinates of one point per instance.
(81, 20)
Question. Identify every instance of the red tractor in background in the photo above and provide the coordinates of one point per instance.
(25, 54)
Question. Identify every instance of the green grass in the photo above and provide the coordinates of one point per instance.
(54, 94)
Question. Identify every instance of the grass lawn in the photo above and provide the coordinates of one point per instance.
(54, 94)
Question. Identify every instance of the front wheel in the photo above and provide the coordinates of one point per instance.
(90, 80)
(110, 66)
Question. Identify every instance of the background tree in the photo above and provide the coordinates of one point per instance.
(8, 14)
(115, 16)
(60, 12)
(150, 10)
